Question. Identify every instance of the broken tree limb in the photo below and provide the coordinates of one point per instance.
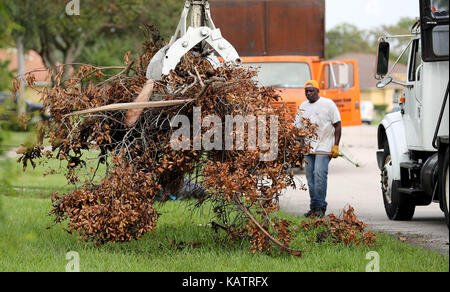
(208, 83)
(134, 114)
(297, 253)
(131, 105)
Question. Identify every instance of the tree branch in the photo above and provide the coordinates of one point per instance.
(297, 253)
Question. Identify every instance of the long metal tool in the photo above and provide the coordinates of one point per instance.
(320, 153)
(341, 154)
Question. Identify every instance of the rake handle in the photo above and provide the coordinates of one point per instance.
(320, 153)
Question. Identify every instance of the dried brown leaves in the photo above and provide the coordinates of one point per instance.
(348, 230)
(120, 208)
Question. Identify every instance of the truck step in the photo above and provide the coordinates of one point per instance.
(411, 191)
(410, 165)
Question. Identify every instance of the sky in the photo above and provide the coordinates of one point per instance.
(367, 14)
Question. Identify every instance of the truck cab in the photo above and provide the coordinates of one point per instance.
(414, 141)
(285, 40)
(338, 80)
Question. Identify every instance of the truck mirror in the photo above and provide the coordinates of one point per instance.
(383, 58)
(383, 83)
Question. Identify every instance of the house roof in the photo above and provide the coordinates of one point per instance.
(366, 65)
(32, 62)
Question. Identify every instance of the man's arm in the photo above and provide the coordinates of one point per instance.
(298, 118)
(337, 139)
(337, 133)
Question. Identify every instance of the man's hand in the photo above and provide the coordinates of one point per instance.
(335, 151)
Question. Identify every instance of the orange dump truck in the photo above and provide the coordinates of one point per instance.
(286, 41)
(338, 80)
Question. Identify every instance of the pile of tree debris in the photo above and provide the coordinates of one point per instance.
(137, 146)
(347, 230)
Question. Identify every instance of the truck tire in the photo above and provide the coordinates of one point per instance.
(445, 182)
(398, 206)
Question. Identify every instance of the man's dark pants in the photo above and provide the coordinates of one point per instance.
(317, 176)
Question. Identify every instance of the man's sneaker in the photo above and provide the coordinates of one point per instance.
(320, 213)
(309, 214)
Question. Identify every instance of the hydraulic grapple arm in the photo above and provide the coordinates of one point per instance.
(201, 31)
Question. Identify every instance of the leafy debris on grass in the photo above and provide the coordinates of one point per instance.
(137, 148)
(348, 230)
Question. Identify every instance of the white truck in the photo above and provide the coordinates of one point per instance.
(413, 142)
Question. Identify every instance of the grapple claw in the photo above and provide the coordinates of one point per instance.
(201, 31)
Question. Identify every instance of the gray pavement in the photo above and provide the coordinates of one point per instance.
(360, 188)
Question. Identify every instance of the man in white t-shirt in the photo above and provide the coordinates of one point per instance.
(323, 112)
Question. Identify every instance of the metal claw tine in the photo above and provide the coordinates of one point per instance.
(202, 30)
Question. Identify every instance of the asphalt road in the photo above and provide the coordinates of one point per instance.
(360, 188)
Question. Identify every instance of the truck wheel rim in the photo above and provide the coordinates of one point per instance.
(386, 180)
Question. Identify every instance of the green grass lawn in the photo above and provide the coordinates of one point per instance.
(13, 139)
(14, 181)
(31, 182)
(26, 245)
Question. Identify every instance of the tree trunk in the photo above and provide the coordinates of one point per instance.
(20, 101)
(70, 55)
(47, 54)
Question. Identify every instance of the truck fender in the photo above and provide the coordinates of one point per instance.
(392, 130)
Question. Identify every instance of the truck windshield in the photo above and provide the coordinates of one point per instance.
(282, 74)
